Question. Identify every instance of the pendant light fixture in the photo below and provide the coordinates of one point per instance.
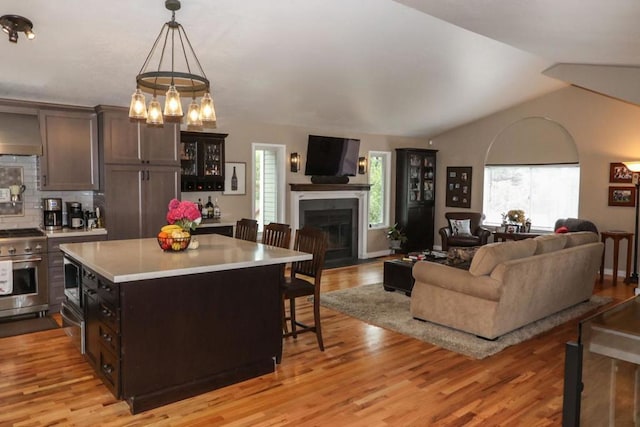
(178, 80)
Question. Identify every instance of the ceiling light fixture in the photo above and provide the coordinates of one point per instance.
(178, 80)
(12, 24)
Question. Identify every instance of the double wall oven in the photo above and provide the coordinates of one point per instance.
(25, 251)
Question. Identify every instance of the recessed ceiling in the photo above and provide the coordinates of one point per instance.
(373, 66)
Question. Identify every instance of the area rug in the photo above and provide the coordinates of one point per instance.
(26, 326)
(390, 310)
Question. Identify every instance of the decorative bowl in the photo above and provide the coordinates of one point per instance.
(174, 244)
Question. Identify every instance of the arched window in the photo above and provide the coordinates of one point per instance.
(532, 165)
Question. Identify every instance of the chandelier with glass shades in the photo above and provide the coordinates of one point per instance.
(174, 77)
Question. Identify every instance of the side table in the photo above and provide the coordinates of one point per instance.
(616, 236)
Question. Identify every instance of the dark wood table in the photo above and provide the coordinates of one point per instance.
(397, 274)
(616, 236)
(501, 236)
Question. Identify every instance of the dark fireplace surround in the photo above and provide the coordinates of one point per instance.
(338, 217)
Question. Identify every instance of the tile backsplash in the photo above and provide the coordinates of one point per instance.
(32, 196)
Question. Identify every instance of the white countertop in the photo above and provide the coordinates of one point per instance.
(72, 232)
(141, 259)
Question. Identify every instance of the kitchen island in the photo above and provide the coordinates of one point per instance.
(164, 326)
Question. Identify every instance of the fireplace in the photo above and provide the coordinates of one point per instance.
(339, 209)
(338, 218)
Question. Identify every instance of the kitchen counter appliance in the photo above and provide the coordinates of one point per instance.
(52, 213)
(24, 251)
(75, 216)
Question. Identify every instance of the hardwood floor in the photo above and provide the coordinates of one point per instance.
(367, 376)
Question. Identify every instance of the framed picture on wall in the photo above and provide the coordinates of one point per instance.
(458, 187)
(234, 178)
(618, 172)
(622, 196)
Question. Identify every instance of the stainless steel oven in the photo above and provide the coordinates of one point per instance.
(25, 251)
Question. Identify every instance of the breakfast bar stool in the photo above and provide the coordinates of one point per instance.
(616, 236)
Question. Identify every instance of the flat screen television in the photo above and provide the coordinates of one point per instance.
(329, 156)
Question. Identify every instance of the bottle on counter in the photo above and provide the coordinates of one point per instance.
(199, 204)
(209, 208)
(216, 210)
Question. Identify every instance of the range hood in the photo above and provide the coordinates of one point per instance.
(20, 134)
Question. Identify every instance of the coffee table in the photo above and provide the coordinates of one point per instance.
(397, 274)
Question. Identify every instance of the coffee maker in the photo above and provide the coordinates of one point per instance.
(75, 217)
(52, 213)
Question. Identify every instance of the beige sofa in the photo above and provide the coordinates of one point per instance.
(508, 285)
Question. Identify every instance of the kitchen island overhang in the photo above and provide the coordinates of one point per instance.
(167, 326)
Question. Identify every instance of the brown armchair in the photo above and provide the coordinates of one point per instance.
(478, 237)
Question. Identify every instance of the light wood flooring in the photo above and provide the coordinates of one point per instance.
(367, 376)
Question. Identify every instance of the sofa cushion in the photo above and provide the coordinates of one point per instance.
(550, 243)
(580, 238)
(488, 256)
(460, 227)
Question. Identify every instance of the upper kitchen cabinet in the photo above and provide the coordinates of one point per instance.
(70, 149)
(125, 142)
(202, 161)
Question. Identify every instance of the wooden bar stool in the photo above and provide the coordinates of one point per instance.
(616, 236)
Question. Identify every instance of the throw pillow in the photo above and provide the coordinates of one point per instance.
(460, 227)
(562, 229)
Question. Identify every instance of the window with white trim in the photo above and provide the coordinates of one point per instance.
(379, 195)
(268, 183)
(544, 192)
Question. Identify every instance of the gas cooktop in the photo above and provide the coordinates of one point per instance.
(20, 232)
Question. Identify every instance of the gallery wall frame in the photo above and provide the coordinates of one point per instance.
(622, 196)
(234, 186)
(618, 173)
(458, 194)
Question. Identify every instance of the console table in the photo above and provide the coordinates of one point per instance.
(501, 236)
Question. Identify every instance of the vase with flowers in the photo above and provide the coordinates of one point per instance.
(182, 218)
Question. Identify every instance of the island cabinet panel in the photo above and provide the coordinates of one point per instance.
(157, 341)
(70, 150)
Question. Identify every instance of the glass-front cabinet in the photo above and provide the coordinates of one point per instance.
(202, 161)
(421, 177)
(602, 369)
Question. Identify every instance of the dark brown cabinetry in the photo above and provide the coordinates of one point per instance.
(202, 161)
(70, 150)
(102, 316)
(56, 267)
(415, 196)
(141, 174)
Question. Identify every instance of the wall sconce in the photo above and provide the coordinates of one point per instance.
(294, 160)
(362, 165)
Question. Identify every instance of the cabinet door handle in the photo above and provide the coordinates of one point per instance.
(105, 287)
(107, 368)
(147, 175)
(44, 180)
(106, 337)
(106, 312)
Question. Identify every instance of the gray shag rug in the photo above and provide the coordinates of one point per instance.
(390, 310)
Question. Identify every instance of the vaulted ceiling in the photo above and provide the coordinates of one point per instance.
(399, 67)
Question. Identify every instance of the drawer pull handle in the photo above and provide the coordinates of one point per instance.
(105, 287)
(107, 368)
(107, 312)
(106, 337)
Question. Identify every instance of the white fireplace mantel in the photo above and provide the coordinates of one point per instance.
(363, 209)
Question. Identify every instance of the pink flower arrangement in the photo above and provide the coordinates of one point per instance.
(185, 214)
